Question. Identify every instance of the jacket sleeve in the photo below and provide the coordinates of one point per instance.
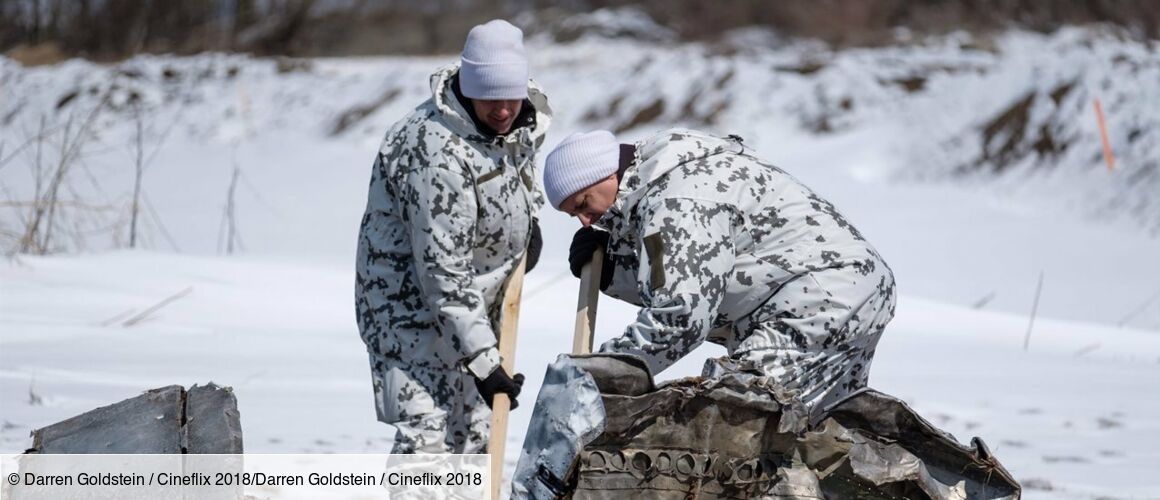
(624, 265)
(686, 253)
(539, 199)
(438, 206)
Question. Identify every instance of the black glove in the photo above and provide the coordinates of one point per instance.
(535, 244)
(500, 382)
(584, 244)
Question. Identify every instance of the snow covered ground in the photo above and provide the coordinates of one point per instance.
(1077, 415)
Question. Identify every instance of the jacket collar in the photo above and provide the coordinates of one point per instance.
(459, 120)
(526, 118)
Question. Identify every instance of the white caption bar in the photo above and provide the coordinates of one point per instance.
(236, 477)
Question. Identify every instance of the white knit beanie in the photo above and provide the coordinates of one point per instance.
(579, 161)
(493, 64)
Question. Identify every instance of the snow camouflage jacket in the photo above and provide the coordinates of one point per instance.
(703, 234)
(448, 217)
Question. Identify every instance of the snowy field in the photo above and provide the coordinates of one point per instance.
(1075, 415)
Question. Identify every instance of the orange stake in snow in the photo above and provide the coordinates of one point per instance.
(1108, 158)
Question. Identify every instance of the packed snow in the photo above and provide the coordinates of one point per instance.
(1074, 414)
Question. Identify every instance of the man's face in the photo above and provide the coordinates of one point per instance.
(499, 115)
(590, 203)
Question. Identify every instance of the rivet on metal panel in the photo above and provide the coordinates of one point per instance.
(664, 462)
(616, 460)
(685, 465)
(641, 461)
(724, 472)
(596, 460)
(745, 472)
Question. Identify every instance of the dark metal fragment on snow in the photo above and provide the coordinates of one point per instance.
(167, 420)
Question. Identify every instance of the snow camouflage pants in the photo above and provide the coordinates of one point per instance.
(433, 410)
(821, 349)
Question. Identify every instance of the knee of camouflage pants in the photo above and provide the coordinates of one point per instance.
(819, 333)
(433, 410)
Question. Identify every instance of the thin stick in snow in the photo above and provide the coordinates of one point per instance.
(144, 314)
(121, 315)
(1087, 349)
(1139, 309)
(979, 304)
(1034, 308)
(229, 226)
(139, 172)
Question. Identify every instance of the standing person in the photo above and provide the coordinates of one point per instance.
(714, 243)
(449, 215)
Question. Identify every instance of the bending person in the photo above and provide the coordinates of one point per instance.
(715, 244)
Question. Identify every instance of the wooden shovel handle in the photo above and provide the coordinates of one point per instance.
(500, 404)
(586, 306)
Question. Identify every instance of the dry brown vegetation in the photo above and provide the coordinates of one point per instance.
(45, 31)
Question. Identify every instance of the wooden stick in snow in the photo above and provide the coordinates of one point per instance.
(145, 314)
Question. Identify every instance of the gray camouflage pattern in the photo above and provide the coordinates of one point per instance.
(448, 217)
(716, 244)
(432, 410)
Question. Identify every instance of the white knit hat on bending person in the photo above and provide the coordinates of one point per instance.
(493, 65)
(580, 160)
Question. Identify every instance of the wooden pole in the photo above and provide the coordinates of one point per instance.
(586, 306)
(1109, 159)
(501, 405)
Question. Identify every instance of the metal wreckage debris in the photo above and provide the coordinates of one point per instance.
(166, 420)
(200, 427)
(602, 430)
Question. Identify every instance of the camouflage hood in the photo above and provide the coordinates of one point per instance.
(663, 152)
(459, 121)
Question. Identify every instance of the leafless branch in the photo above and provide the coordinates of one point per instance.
(34, 140)
(39, 225)
(160, 225)
(229, 227)
(135, 206)
(63, 203)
